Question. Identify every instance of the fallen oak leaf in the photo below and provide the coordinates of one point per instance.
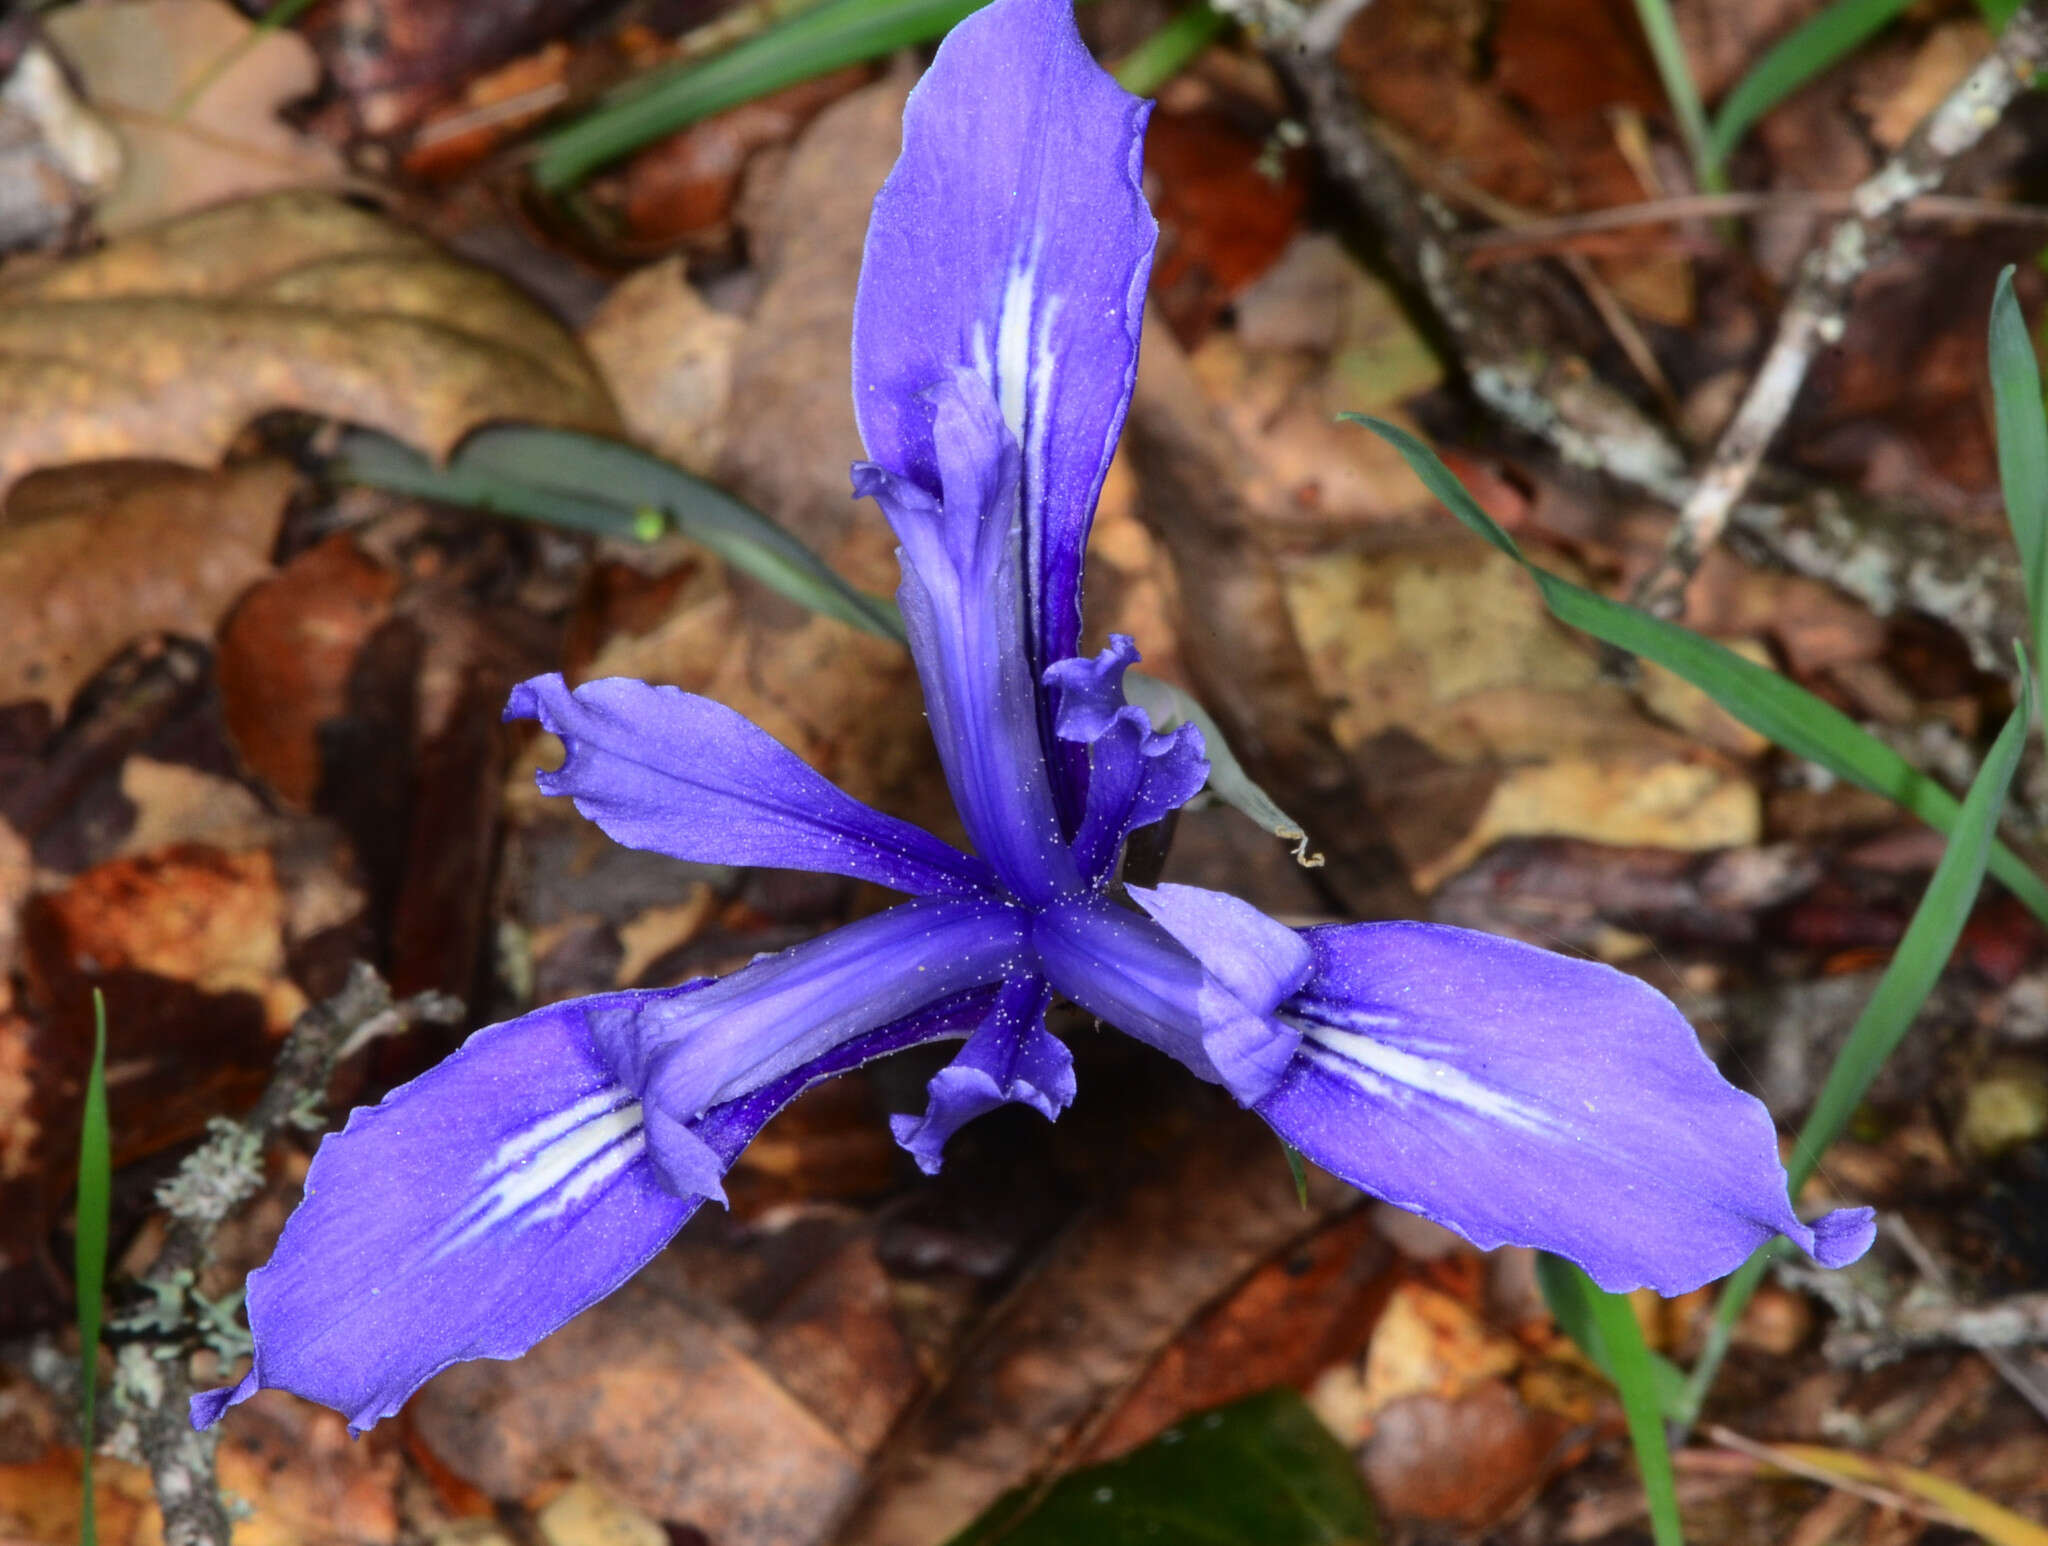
(139, 60)
(293, 301)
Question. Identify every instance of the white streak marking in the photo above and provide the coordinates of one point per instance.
(1391, 1074)
(550, 1168)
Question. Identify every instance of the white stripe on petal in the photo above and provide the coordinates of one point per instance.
(1390, 1074)
(551, 1167)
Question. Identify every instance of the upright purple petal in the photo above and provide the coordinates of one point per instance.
(482, 1205)
(667, 771)
(1135, 775)
(1521, 1097)
(963, 612)
(685, 1051)
(1012, 237)
(1207, 997)
(1010, 1057)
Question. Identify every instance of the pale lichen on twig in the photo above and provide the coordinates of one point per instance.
(1814, 315)
(152, 1387)
(1889, 555)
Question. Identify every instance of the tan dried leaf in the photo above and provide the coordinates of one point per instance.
(140, 59)
(167, 344)
(157, 550)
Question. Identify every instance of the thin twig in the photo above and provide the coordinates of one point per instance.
(212, 1183)
(1996, 1330)
(1537, 236)
(1813, 317)
(1889, 554)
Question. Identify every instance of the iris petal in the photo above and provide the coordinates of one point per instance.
(1135, 775)
(963, 610)
(673, 773)
(1010, 1057)
(1518, 1096)
(1012, 237)
(484, 1204)
(684, 1051)
(1206, 997)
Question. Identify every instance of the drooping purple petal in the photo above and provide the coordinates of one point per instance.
(1135, 775)
(683, 1052)
(1521, 1097)
(1207, 998)
(1012, 237)
(1010, 1057)
(963, 612)
(667, 771)
(466, 1216)
(482, 1205)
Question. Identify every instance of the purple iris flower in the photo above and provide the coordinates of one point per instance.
(1509, 1093)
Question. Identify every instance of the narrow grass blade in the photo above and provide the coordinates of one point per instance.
(1762, 699)
(840, 33)
(1297, 1167)
(1660, 29)
(1170, 50)
(1894, 1004)
(1808, 50)
(1166, 706)
(89, 1260)
(1566, 1290)
(1938, 1497)
(588, 483)
(2022, 423)
(378, 461)
(1604, 1325)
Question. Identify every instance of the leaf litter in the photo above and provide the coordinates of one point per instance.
(855, 1356)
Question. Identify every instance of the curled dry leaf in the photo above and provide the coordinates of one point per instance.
(102, 559)
(139, 61)
(166, 344)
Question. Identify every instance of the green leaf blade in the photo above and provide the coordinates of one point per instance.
(1930, 939)
(841, 33)
(2022, 425)
(1922, 953)
(1635, 1380)
(588, 483)
(89, 1252)
(1263, 1471)
(1807, 51)
(1170, 50)
(1166, 706)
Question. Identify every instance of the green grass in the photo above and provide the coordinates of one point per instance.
(89, 1260)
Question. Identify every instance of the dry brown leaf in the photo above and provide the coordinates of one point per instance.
(192, 914)
(648, 1398)
(165, 345)
(159, 550)
(139, 58)
(1447, 642)
(285, 657)
(1110, 1295)
(1949, 53)
(39, 1501)
(668, 359)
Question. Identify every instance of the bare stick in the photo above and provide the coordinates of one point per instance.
(153, 1386)
(1813, 316)
(1535, 237)
(1892, 555)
